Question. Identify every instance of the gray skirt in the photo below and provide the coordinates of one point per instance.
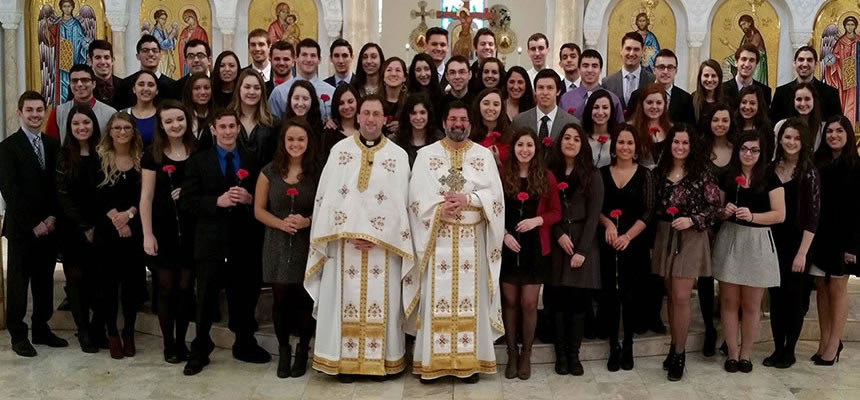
(745, 255)
(684, 254)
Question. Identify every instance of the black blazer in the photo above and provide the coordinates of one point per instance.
(680, 106)
(116, 84)
(731, 94)
(783, 102)
(29, 190)
(123, 96)
(221, 233)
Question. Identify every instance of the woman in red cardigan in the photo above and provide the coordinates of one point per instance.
(531, 208)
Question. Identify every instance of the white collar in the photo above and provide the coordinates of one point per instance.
(550, 114)
(636, 72)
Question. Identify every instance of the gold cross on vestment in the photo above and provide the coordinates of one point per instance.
(454, 180)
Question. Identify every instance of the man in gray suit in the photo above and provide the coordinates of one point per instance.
(631, 76)
(546, 118)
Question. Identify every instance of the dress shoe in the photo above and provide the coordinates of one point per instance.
(300, 365)
(87, 346)
(745, 366)
(251, 352)
(195, 366)
(786, 361)
(709, 348)
(731, 366)
(182, 351)
(115, 346)
(23, 348)
(627, 357)
(170, 355)
(345, 378)
(513, 363)
(285, 355)
(474, 378)
(50, 339)
(772, 359)
(128, 347)
(614, 363)
(379, 378)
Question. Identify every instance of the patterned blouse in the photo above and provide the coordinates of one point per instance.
(698, 199)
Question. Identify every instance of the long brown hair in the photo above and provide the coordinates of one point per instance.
(261, 112)
(280, 162)
(701, 93)
(479, 130)
(161, 141)
(107, 151)
(640, 120)
(537, 180)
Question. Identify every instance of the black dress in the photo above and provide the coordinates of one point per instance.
(261, 141)
(285, 256)
(802, 208)
(175, 242)
(839, 224)
(636, 200)
(412, 150)
(531, 267)
(330, 137)
(79, 200)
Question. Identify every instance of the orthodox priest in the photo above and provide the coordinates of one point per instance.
(457, 210)
(360, 240)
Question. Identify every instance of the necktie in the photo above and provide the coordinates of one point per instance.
(544, 127)
(572, 86)
(37, 146)
(230, 170)
(628, 88)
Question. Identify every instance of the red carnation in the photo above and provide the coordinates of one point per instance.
(242, 173)
(168, 169)
(740, 180)
(653, 130)
(522, 196)
(672, 210)
(562, 185)
(602, 139)
(495, 134)
(292, 192)
(547, 141)
(571, 110)
(324, 97)
(615, 213)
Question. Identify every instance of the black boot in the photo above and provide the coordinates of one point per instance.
(614, 363)
(300, 365)
(676, 368)
(574, 341)
(669, 357)
(627, 356)
(708, 350)
(285, 353)
(561, 362)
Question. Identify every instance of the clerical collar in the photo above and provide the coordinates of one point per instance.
(370, 143)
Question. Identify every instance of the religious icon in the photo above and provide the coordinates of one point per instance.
(506, 39)
(463, 42)
(751, 36)
(192, 31)
(416, 37)
(836, 32)
(653, 20)
(746, 22)
(63, 42)
(290, 20)
(174, 24)
(652, 45)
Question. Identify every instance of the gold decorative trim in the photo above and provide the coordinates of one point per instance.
(484, 367)
(367, 155)
(332, 367)
(316, 267)
(351, 235)
(457, 155)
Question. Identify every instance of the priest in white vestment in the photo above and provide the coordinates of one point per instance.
(457, 210)
(360, 240)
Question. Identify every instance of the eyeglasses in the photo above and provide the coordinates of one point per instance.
(121, 128)
(75, 81)
(753, 151)
(196, 56)
(662, 67)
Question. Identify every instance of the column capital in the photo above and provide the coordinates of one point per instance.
(118, 21)
(333, 28)
(10, 20)
(227, 25)
(799, 38)
(592, 36)
(696, 39)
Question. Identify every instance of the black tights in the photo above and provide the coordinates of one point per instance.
(571, 300)
(620, 296)
(705, 287)
(175, 304)
(291, 313)
(520, 298)
(132, 279)
(787, 309)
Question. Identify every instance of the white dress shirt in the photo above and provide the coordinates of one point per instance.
(549, 123)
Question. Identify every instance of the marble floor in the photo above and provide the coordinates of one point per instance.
(70, 374)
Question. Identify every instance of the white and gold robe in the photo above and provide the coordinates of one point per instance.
(357, 294)
(456, 310)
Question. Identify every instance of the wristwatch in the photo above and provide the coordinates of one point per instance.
(130, 215)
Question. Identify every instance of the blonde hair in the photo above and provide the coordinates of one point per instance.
(261, 114)
(107, 151)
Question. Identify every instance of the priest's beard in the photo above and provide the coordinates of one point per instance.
(457, 134)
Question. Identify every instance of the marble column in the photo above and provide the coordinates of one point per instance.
(118, 20)
(592, 37)
(357, 21)
(227, 26)
(799, 39)
(10, 23)
(567, 27)
(694, 43)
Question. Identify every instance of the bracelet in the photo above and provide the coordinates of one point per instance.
(627, 236)
(752, 217)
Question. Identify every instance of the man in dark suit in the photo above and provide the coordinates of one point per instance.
(227, 246)
(680, 102)
(100, 58)
(805, 63)
(546, 119)
(149, 55)
(457, 74)
(340, 53)
(746, 58)
(198, 57)
(631, 76)
(568, 60)
(437, 48)
(27, 162)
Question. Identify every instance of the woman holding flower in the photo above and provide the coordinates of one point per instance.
(575, 251)
(284, 202)
(167, 231)
(598, 119)
(531, 208)
(628, 204)
(491, 128)
(651, 120)
(745, 260)
(688, 200)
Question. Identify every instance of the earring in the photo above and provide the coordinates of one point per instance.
(612, 155)
(635, 156)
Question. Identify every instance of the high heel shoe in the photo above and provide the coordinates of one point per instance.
(816, 358)
(676, 368)
(669, 357)
(828, 363)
